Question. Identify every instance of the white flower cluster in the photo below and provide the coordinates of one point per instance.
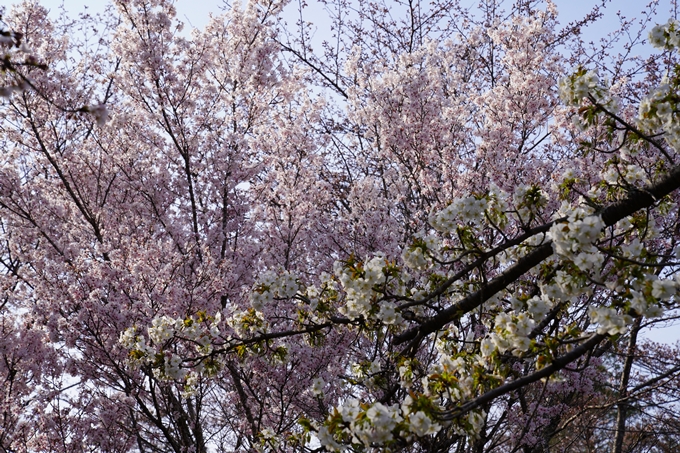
(511, 330)
(246, 323)
(371, 426)
(406, 375)
(659, 110)
(476, 419)
(130, 340)
(575, 88)
(415, 256)
(609, 320)
(644, 297)
(273, 285)
(389, 315)
(638, 302)
(317, 386)
(630, 173)
(458, 366)
(539, 307)
(574, 239)
(526, 194)
(468, 209)
(162, 329)
(528, 198)
(358, 285)
(327, 440)
(312, 295)
(666, 35)
(375, 424)
(632, 249)
(663, 289)
(190, 384)
(172, 368)
(421, 425)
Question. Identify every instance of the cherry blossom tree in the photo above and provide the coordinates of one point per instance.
(445, 229)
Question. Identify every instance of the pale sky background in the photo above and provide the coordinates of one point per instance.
(196, 13)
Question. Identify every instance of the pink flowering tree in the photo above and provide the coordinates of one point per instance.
(444, 230)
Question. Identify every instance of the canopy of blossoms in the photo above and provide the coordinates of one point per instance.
(445, 230)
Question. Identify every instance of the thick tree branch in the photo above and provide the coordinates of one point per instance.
(635, 201)
(556, 365)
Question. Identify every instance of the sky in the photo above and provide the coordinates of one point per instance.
(195, 13)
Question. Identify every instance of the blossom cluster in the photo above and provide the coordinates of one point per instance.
(247, 322)
(586, 85)
(511, 331)
(647, 294)
(643, 296)
(528, 199)
(373, 425)
(273, 285)
(358, 280)
(451, 376)
(377, 424)
(574, 239)
(609, 320)
(466, 209)
(418, 256)
(451, 379)
(666, 35)
(226, 184)
(659, 111)
(155, 349)
(631, 173)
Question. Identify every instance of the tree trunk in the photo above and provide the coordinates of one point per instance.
(622, 406)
